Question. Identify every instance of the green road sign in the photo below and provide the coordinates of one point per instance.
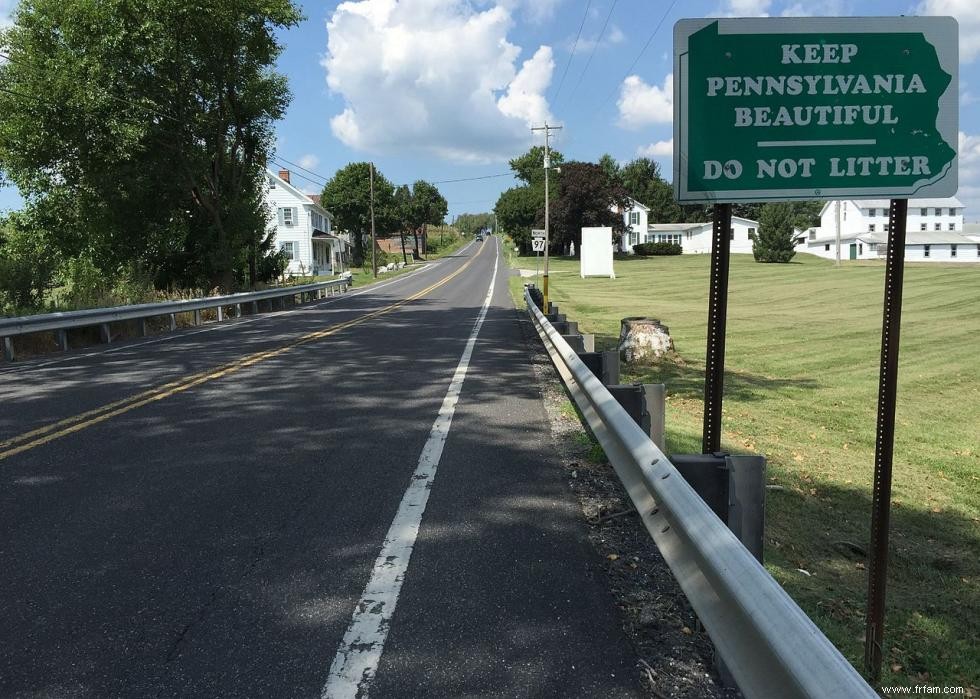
(816, 108)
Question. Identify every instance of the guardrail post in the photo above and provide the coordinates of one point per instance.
(106, 334)
(221, 314)
(588, 339)
(605, 365)
(143, 331)
(238, 310)
(62, 338)
(575, 341)
(197, 317)
(8, 348)
(255, 308)
(656, 404)
(747, 501)
(173, 322)
(645, 404)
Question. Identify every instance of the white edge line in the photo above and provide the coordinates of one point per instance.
(356, 662)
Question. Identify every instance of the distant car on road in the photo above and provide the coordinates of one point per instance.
(479, 237)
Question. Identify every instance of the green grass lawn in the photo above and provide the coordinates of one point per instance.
(801, 382)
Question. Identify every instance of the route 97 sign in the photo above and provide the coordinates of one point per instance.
(819, 108)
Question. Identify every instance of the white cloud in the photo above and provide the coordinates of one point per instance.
(967, 13)
(613, 37)
(641, 104)
(309, 161)
(6, 9)
(743, 8)
(661, 149)
(536, 11)
(434, 76)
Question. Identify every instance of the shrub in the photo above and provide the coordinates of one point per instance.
(658, 249)
(28, 262)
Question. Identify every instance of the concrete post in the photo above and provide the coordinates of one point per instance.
(221, 314)
(8, 348)
(173, 322)
(238, 310)
(197, 317)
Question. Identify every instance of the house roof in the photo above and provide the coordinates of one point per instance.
(653, 227)
(298, 192)
(911, 238)
(637, 205)
(948, 202)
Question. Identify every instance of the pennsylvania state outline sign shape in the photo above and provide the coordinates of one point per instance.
(773, 109)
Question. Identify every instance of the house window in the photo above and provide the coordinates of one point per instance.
(872, 212)
(887, 227)
(938, 226)
(923, 212)
(922, 226)
(873, 247)
(288, 247)
(939, 212)
(871, 228)
(952, 226)
(669, 238)
(860, 248)
(978, 249)
(634, 218)
(731, 234)
(952, 251)
(287, 216)
(826, 248)
(751, 233)
(272, 183)
(925, 250)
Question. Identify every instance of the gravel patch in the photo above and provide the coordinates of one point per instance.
(674, 654)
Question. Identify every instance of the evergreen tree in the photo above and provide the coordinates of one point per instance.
(774, 241)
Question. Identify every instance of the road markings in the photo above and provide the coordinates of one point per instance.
(62, 428)
(33, 366)
(357, 659)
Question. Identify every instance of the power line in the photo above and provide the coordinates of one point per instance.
(642, 51)
(602, 33)
(472, 179)
(290, 162)
(585, 16)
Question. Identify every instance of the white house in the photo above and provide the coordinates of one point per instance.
(635, 217)
(303, 229)
(934, 231)
(695, 238)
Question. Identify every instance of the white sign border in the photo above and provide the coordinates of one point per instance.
(941, 32)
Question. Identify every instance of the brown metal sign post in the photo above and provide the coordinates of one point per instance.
(885, 437)
(714, 365)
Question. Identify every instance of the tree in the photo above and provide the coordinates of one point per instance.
(402, 204)
(470, 224)
(149, 121)
(347, 196)
(428, 206)
(529, 167)
(517, 210)
(609, 166)
(775, 240)
(587, 196)
(28, 262)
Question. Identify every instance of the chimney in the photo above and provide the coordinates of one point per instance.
(284, 176)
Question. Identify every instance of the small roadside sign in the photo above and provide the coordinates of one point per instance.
(773, 109)
(537, 234)
(537, 244)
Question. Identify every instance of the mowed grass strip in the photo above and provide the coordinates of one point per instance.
(801, 385)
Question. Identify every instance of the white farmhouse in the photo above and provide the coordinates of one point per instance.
(934, 231)
(303, 229)
(635, 217)
(695, 238)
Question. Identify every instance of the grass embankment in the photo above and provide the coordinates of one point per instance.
(801, 387)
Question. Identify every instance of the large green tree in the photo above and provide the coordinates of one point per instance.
(347, 196)
(470, 224)
(429, 208)
(521, 208)
(147, 123)
(587, 196)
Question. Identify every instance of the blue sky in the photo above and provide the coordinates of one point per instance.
(446, 89)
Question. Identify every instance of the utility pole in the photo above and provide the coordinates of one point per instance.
(374, 243)
(547, 234)
(838, 232)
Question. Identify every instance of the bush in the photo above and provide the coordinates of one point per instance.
(27, 265)
(645, 249)
(775, 241)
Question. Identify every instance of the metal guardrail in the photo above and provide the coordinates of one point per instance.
(62, 322)
(770, 646)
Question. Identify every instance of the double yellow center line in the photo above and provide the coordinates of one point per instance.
(76, 423)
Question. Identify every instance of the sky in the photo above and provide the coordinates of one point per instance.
(449, 89)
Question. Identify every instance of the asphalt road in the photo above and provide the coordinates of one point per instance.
(201, 515)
